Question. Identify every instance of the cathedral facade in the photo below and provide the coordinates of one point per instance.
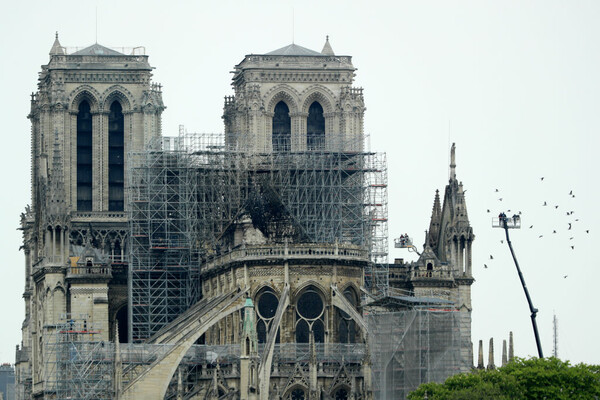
(238, 266)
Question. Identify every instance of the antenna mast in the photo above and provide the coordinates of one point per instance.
(555, 328)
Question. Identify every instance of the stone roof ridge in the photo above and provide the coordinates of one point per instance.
(327, 50)
(56, 49)
(293, 50)
(97, 50)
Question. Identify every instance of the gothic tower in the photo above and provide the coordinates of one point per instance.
(93, 105)
(450, 239)
(294, 99)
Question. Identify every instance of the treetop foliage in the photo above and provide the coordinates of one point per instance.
(533, 378)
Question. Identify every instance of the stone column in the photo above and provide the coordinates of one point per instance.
(264, 143)
(491, 364)
(468, 263)
(298, 139)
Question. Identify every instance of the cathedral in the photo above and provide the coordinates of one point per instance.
(251, 264)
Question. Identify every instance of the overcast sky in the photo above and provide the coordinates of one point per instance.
(514, 83)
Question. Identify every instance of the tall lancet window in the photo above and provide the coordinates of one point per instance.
(315, 127)
(115, 158)
(282, 128)
(84, 157)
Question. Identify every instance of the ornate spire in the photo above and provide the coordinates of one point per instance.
(249, 335)
(491, 364)
(57, 49)
(511, 347)
(480, 357)
(327, 50)
(453, 162)
(461, 205)
(436, 219)
(57, 204)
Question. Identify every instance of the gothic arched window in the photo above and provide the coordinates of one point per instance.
(267, 303)
(282, 127)
(116, 166)
(84, 157)
(315, 127)
(346, 325)
(310, 316)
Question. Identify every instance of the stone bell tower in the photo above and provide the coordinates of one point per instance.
(93, 105)
(450, 239)
(295, 99)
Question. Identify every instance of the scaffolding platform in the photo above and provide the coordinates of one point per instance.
(513, 222)
(185, 193)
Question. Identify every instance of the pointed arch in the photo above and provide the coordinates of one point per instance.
(284, 93)
(120, 94)
(116, 157)
(84, 154)
(320, 94)
(84, 92)
(281, 127)
(315, 127)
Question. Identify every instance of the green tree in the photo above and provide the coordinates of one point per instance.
(534, 378)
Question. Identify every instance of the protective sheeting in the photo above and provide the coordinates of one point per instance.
(412, 347)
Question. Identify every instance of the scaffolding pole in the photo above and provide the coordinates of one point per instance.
(186, 193)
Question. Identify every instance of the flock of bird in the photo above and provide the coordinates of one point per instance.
(569, 225)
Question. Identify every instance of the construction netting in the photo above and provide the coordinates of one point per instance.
(409, 348)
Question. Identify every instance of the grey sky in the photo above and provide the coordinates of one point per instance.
(514, 83)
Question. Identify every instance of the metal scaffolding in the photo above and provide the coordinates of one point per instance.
(186, 193)
(78, 364)
(409, 348)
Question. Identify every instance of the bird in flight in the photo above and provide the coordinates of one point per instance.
(565, 277)
(571, 193)
(497, 190)
(502, 241)
(569, 226)
(554, 231)
(587, 231)
(485, 266)
(545, 204)
(540, 236)
(542, 178)
(491, 257)
(500, 199)
(572, 247)
(555, 206)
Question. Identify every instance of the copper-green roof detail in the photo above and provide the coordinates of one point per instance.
(248, 302)
(293, 50)
(97, 50)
